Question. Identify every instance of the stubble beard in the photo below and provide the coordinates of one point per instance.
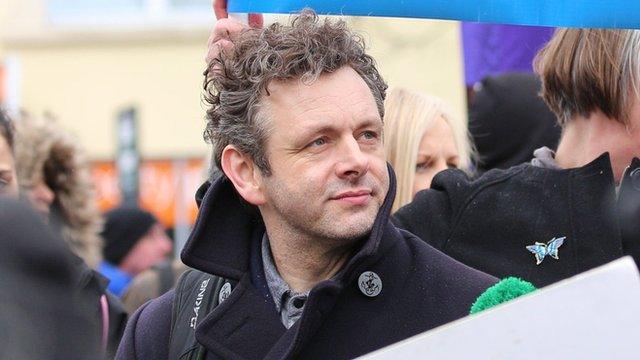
(318, 221)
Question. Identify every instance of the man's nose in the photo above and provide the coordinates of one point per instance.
(353, 162)
(165, 244)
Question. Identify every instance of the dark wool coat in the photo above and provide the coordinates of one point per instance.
(421, 289)
(488, 222)
(41, 314)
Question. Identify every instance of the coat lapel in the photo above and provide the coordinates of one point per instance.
(242, 326)
(592, 187)
(246, 325)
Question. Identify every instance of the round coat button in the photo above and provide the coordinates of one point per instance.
(370, 283)
(635, 179)
(225, 291)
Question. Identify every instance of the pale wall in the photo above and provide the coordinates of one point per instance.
(85, 86)
(3, 13)
(423, 55)
(85, 79)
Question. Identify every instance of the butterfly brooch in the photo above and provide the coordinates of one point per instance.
(541, 250)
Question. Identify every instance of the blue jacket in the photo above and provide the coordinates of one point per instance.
(421, 289)
(118, 279)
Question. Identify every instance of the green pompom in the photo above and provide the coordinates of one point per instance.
(505, 290)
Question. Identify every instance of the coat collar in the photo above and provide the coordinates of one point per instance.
(220, 242)
(600, 165)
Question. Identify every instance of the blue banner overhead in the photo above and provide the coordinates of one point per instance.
(558, 13)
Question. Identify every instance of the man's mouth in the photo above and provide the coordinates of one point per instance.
(358, 197)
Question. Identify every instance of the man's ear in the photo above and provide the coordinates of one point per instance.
(244, 175)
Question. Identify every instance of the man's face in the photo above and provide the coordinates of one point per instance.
(8, 183)
(152, 248)
(329, 176)
(41, 197)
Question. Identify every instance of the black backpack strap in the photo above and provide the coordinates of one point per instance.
(196, 294)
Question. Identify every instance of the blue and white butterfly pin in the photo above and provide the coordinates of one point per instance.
(540, 250)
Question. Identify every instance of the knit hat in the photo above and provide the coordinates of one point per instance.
(508, 121)
(123, 228)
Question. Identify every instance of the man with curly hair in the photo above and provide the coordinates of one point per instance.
(298, 226)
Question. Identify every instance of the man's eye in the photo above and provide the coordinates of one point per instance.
(318, 142)
(3, 184)
(369, 135)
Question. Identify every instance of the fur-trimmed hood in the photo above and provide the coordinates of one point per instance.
(42, 147)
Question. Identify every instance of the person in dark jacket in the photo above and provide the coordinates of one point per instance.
(134, 241)
(564, 212)
(41, 316)
(54, 176)
(301, 218)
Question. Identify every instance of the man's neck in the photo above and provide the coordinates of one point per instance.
(302, 263)
(586, 138)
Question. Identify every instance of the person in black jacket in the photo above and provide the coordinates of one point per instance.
(300, 219)
(54, 176)
(41, 314)
(508, 121)
(564, 212)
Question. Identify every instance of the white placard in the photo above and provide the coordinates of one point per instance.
(594, 315)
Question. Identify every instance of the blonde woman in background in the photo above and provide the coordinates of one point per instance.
(421, 139)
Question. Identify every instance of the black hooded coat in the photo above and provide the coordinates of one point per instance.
(489, 222)
(421, 289)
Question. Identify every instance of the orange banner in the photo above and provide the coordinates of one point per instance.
(167, 188)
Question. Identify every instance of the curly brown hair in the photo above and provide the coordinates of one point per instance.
(235, 82)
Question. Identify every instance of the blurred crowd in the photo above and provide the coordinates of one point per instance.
(545, 159)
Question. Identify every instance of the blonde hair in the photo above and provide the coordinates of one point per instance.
(408, 115)
(583, 70)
